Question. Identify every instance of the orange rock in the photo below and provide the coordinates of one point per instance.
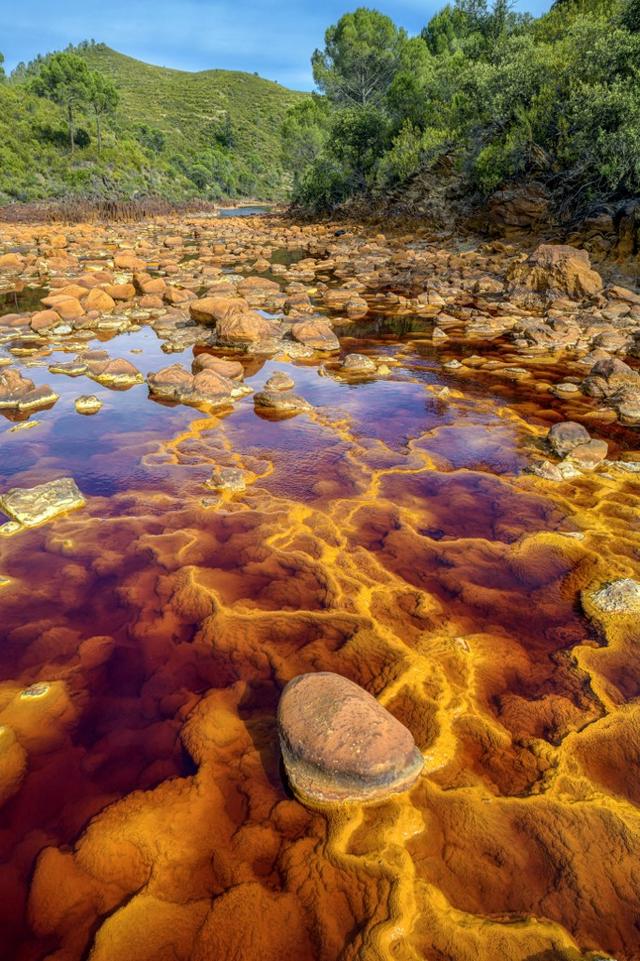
(127, 260)
(247, 328)
(67, 307)
(71, 290)
(152, 302)
(121, 291)
(174, 295)
(99, 300)
(212, 309)
(316, 334)
(339, 743)
(145, 284)
(232, 369)
(44, 319)
(11, 262)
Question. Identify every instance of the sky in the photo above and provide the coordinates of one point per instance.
(274, 38)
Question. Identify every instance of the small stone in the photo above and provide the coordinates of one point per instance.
(280, 381)
(88, 404)
(280, 402)
(115, 373)
(339, 744)
(562, 438)
(589, 455)
(358, 364)
(227, 479)
(546, 470)
(618, 597)
(30, 506)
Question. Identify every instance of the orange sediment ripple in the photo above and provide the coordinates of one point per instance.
(147, 638)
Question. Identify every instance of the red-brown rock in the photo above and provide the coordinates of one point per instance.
(339, 743)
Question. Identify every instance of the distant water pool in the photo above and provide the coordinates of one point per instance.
(249, 211)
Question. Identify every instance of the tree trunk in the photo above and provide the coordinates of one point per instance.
(72, 139)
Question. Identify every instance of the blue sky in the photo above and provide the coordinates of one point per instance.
(273, 37)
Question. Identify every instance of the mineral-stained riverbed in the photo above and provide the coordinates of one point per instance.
(408, 527)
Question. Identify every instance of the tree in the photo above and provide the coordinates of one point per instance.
(65, 78)
(103, 98)
(304, 133)
(1, 66)
(360, 58)
(630, 17)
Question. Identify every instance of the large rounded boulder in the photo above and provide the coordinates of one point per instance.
(339, 744)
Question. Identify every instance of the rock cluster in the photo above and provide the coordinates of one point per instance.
(207, 386)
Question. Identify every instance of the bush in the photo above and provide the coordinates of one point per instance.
(506, 96)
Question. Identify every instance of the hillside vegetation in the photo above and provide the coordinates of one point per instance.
(211, 134)
(483, 98)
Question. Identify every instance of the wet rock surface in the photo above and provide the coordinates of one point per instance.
(36, 505)
(412, 530)
(339, 744)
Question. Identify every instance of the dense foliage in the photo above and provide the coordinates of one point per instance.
(91, 122)
(498, 95)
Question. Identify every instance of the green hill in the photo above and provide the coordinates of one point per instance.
(212, 134)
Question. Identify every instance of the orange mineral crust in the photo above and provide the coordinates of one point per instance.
(408, 529)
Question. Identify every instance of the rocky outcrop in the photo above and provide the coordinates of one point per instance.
(339, 744)
(279, 382)
(88, 404)
(117, 373)
(555, 270)
(618, 385)
(523, 206)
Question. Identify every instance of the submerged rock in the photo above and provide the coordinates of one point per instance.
(358, 364)
(88, 404)
(339, 744)
(280, 381)
(227, 479)
(280, 402)
(30, 506)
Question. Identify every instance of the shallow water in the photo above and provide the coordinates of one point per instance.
(251, 210)
(392, 536)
